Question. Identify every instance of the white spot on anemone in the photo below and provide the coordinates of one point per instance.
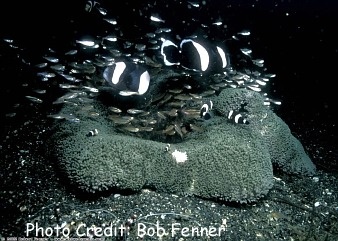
(179, 157)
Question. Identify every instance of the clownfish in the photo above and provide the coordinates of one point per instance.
(127, 78)
(205, 110)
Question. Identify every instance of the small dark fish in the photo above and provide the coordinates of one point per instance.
(115, 109)
(110, 38)
(260, 82)
(10, 115)
(40, 91)
(169, 129)
(191, 113)
(270, 75)
(8, 40)
(86, 43)
(127, 93)
(41, 65)
(67, 86)
(195, 128)
(46, 74)
(121, 120)
(194, 4)
(71, 52)
(91, 89)
(56, 116)
(165, 99)
(65, 97)
(178, 130)
(175, 91)
(140, 47)
(176, 104)
(244, 33)
(173, 112)
(195, 96)
(258, 62)
(269, 100)
(246, 51)
(51, 59)
(102, 11)
(69, 77)
(135, 111)
(85, 68)
(93, 114)
(68, 117)
(183, 97)
(148, 121)
(130, 128)
(146, 128)
(34, 99)
(156, 18)
(208, 93)
(161, 115)
(58, 67)
(110, 20)
(254, 88)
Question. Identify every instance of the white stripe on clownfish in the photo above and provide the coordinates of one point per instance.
(205, 110)
(237, 117)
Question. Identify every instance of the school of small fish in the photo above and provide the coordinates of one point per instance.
(128, 67)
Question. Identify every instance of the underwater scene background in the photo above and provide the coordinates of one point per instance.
(242, 147)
